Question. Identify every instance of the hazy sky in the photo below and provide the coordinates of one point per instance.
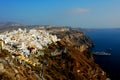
(76, 13)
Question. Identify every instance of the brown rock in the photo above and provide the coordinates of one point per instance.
(2, 70)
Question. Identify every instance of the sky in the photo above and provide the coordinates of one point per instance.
(75, 13)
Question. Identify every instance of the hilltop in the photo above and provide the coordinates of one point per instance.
(47, 54)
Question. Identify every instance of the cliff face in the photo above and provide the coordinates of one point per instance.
(68, 59)
(73, 64)
(74, 37)
(75, 61)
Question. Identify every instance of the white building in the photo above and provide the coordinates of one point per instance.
(32, 38)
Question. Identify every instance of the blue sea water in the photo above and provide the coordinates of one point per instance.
(107, 40)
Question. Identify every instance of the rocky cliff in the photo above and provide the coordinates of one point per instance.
(68, 59)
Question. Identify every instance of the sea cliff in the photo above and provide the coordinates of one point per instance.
(68, 58)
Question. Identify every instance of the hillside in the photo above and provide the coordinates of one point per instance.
(67, 58)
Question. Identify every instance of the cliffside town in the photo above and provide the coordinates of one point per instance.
(23, 42)
(47, 54)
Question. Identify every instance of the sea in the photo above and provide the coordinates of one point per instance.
(107, 40)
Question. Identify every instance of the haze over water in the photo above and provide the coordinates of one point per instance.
(75, 13)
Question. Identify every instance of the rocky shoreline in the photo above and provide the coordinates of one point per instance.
(67, 59)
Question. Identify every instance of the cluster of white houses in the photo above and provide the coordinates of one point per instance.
(26, 41)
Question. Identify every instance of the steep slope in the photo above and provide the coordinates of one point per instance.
(73, 64)
(68, 59)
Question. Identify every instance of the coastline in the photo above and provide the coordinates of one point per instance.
(68, 58)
